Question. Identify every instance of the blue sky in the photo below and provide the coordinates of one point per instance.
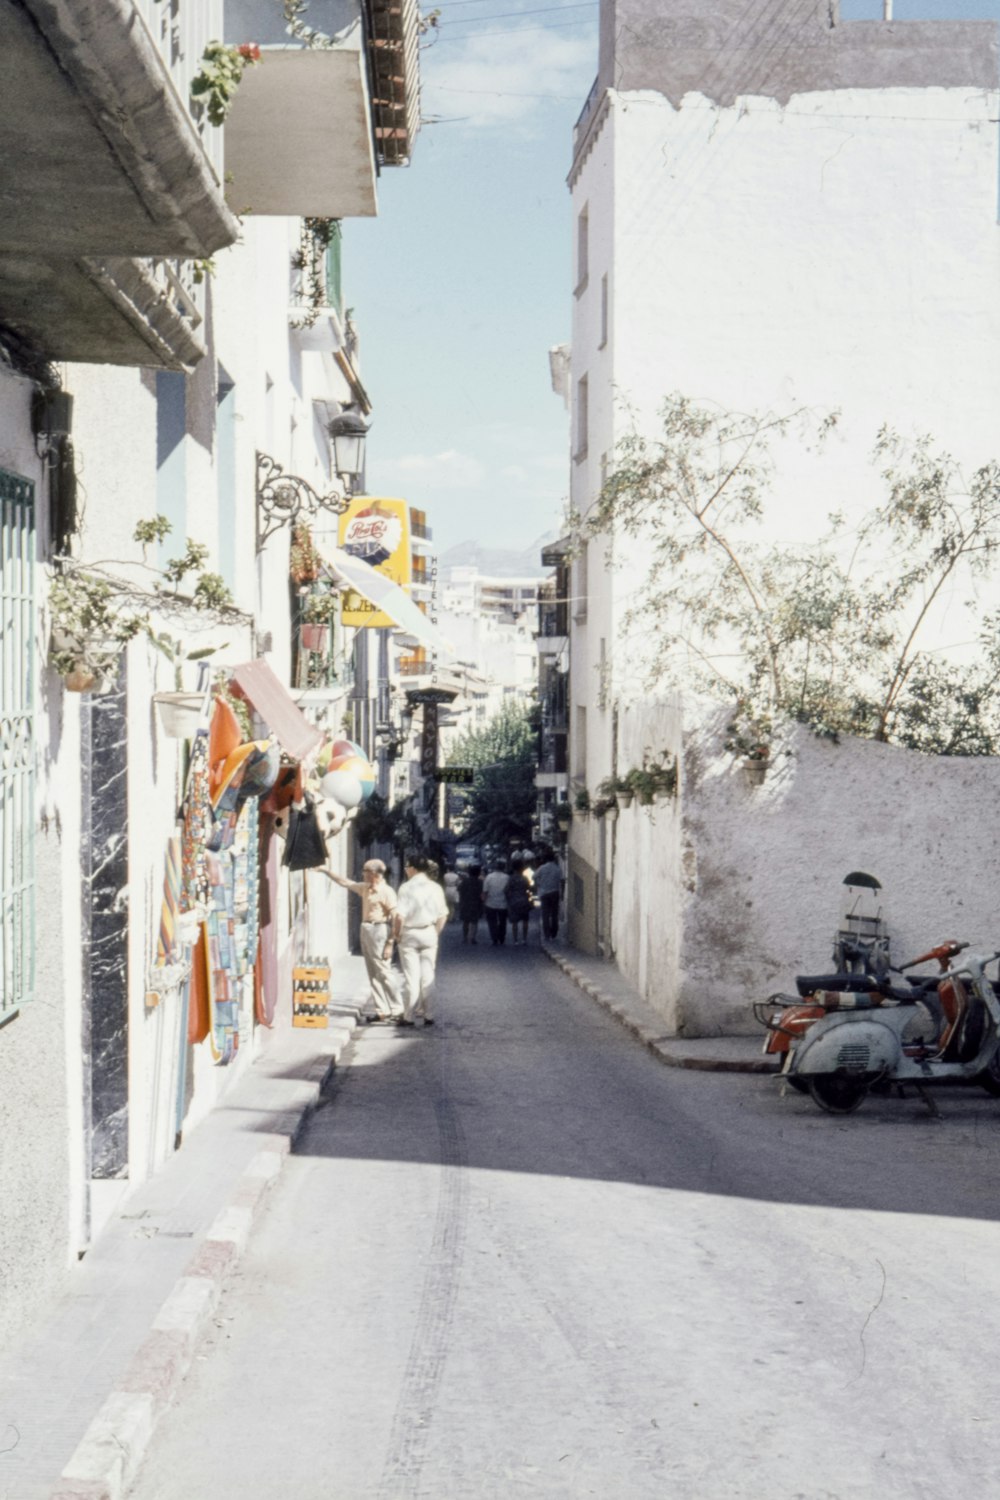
(462, 283)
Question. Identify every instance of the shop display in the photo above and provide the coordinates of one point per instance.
(311, 993)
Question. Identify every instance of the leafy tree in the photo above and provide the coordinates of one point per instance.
(831, 633)
(502, 798)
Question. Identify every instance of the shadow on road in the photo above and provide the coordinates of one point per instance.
(533, 1077)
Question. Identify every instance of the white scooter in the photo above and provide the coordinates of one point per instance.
(875, 1040)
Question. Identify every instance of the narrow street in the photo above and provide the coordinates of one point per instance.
(516, 1255)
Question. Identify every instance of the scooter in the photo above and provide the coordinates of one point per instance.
(848, 1051)
(861, 956)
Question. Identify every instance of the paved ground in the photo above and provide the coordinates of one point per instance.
(515, 1255)
(57, 1382)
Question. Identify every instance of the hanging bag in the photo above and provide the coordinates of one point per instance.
(304, 846)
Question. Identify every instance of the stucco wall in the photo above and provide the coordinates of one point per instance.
(724, 894)
(36, 1141)
(647, 899)
(765, 866)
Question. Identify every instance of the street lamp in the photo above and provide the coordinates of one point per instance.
(347, 433)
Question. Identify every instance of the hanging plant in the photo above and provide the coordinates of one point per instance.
(303, 559)
(219, 77)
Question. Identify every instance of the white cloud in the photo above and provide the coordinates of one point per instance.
(449, 470)
(504, 81)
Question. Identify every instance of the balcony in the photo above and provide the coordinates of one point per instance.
(410, 666)
(309, 129)
(106, 169)
(103, 310)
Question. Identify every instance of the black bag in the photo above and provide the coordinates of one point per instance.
(304, 846)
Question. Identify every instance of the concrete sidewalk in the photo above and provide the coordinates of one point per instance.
(80, 1400)
(600, 978)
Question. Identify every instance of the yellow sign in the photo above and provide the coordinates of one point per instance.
(378, 532)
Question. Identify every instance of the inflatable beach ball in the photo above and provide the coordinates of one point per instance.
(343, 787)
(359, 766)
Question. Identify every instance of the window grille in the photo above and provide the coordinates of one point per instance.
(17, 742)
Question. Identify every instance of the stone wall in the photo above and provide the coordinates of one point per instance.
(722, 897)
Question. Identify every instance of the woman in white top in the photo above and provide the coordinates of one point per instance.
(495, 902)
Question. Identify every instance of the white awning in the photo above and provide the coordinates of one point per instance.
(388, 596)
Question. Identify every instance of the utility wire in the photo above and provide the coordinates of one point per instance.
(503, 15)
(474, 36)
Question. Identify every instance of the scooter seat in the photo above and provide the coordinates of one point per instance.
(858, 984)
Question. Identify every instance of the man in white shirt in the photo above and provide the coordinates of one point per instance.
(421, 913)
(495, 902)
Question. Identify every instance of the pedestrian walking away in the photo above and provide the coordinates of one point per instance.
(495, 901)
(548, 885)
(421, 913)
(450, 884)
(470, 903)
(518, 903)
(378, 906)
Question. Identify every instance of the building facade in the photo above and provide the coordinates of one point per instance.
(774, 209)
(153, 351)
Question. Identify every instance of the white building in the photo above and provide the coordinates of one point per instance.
(467, 591)
(773, 208)
(194, 348)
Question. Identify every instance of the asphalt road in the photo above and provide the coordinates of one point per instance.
(517, 1256)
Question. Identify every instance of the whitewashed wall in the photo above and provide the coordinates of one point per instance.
(647, 895)
(40, 1143)
(838, 252)
(724, 898)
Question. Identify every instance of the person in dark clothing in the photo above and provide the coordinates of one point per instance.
(470, 903)
(518, 902)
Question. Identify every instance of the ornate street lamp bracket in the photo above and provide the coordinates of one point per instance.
(285, 500)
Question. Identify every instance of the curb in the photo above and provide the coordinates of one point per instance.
(653, 1041)
(112, 1449)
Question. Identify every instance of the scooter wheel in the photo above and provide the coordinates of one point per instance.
(838, 1093)
(798, 1084)
(989, 1078)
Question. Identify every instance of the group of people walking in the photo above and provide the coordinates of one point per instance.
(506, 894)
(411, 921)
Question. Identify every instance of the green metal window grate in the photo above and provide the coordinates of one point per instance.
(17, 743)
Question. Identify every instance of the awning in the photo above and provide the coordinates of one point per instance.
(276, 707)
(389, 597)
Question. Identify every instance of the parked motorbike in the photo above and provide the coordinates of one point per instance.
(866, 1038)
(861, 956)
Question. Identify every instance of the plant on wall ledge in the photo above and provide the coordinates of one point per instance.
(749, 735)
(309, 261)
(581, 801)
(618, 788)
(94, 614)
(655, 779)
(220, 75)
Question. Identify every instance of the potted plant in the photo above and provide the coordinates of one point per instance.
(581, 802)
(319, 613)
(664, 776)
(222, 68)
(749, 736)
(617, 787)
(643, 784)
(89, 630)
(564, 815)
(179, 711)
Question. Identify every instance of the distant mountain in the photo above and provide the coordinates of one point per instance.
(500, 562)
